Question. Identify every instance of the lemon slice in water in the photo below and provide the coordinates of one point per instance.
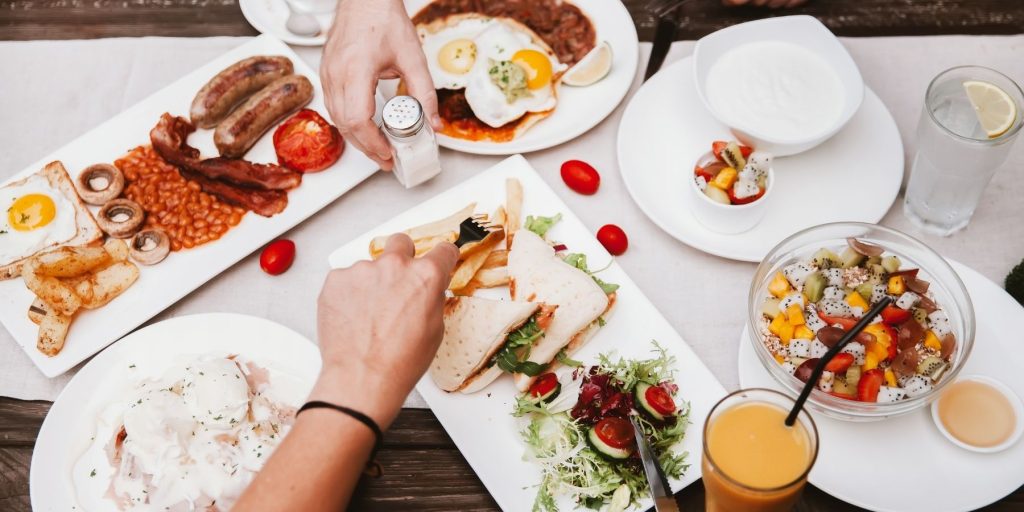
(594, 66)
(995, 109)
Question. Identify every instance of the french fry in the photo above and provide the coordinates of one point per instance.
(53, 330)
(513, 209)
(71, 261)
(467, 290)
(474, 257)
(111, 282)
(427, 231)
(37, 311)
(58, 296)
(423, 245)
(495, 259)
(117, 249)
(490, 277)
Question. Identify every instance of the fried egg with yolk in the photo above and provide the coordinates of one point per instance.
(34, 216)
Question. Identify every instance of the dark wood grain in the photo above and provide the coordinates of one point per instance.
(86, 19)
(423, 471)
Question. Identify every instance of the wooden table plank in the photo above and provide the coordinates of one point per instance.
(423, 470)
(86, 19)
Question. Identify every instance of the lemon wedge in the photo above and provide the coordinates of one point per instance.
(995, 109)
(594, 66)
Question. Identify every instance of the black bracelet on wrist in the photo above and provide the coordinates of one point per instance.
(372, 468)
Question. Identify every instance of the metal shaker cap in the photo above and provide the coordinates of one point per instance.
(402, 116)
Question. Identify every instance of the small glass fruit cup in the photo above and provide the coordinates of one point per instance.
(946, 289)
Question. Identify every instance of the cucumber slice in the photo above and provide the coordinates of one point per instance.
(605, 449)
(826, 259)
(814, 286)
(851, 258)
(641, 399)
(550, 395)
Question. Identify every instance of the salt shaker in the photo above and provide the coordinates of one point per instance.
(413, 145)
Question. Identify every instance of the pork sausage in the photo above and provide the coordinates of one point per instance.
(233, 85)
(243, 127)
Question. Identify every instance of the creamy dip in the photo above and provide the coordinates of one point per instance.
(776, 90)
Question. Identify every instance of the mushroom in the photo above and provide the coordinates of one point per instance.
(150, 246)
(99, 184)
(121, 218)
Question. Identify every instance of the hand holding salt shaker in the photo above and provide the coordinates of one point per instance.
(413, 144)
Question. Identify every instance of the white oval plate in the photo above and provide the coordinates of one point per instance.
(854, 176)
(269, 17)
(579, 108)
(71, 422)
(905, 464)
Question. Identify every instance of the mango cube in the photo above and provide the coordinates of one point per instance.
(803, 333)
(795, 315)
(779, 286)
(932, 341)
(855, 300)
(897, 285)
(725, 178)
(890, 378)
(870, 361)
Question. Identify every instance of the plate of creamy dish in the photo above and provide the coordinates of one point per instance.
(509, 80)
(180, 415)
(785, 89)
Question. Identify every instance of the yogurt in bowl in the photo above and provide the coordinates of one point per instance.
(783, 84)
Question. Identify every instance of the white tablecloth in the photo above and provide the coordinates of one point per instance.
(60, 89)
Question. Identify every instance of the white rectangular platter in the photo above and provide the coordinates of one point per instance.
(182, 272)
(481, 424)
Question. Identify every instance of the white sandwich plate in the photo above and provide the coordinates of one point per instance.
(481, 424)
(915, 466)
(57, 485)
(164, 284)
(854, 176)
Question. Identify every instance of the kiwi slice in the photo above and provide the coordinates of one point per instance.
(853, 375)
(866, 290)
(839, 385)
(770, 307)
(891, 263)
(850, 258)
(732, 155)
(875, 260)
(932, 367)
(921, 316)
(826, 259)
(814, 286)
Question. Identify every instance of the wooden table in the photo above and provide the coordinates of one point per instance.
(422, 468)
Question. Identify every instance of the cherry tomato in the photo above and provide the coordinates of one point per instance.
(543, 385)
(660, 400)
(615, 432)
(277, 257)
(613, 238)
(306, 142)
(581, 177)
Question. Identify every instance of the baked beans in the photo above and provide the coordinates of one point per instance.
(178, 206)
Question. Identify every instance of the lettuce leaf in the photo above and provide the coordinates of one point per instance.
(579, 261)
(541, 225)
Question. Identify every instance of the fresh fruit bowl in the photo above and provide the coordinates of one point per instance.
(817, 282)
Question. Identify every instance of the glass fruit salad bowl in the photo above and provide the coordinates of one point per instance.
(819, 282)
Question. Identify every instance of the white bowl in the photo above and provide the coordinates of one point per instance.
(804, 31)
(1015, 403)
(729, 218)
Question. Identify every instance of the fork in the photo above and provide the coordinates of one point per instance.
(475, 228)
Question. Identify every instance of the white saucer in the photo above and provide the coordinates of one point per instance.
(905, 464)
(269, 16)
(854, 176)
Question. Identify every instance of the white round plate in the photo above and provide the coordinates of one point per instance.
(905, 464)
(854, 176)
(269, 17)
(71, 422)
(579, 108)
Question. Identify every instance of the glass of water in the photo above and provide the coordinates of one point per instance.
(956, 157)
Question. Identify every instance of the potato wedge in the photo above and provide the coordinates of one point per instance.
(38, 310)
(513, 209)
(53, 330)
(71, 261)
(430, 230)
(490, 277)
(111, 282)
(117, 249)
(58, 296)
(474, 258)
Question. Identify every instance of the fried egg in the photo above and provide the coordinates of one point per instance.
(500, 44)
(451, 51)
(34, 216)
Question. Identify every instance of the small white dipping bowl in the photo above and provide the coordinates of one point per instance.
(1015, 403)
(804, 31)
(729, 218)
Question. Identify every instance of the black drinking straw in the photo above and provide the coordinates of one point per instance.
(816, 373)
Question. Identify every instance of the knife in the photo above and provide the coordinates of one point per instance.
(663, 37)
(660, 491)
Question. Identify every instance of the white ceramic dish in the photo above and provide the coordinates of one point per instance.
(164, 284)
(480, 424)
(864, 160)
(579, 108)
(269, 17)
(916, 467)
(1015, 403)
(730, 218)
(804, 31)
(71, 422)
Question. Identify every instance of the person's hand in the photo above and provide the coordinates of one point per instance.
(372, 39)
(379, 325)
(774, 4)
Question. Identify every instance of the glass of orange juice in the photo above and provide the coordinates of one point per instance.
(752, 461)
